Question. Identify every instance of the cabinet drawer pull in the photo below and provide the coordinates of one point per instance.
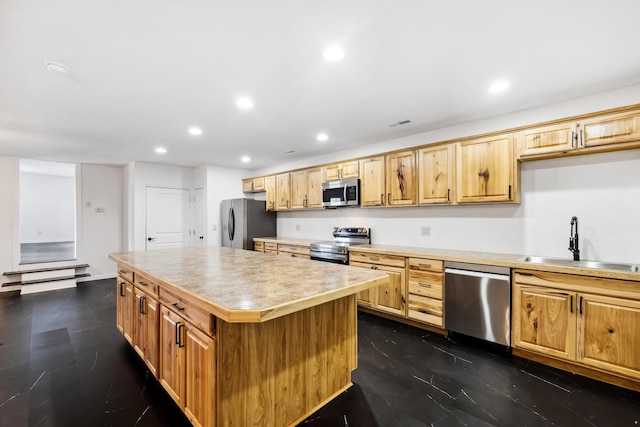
(373, 267)
(143, 284)
(177, 307)
(374, 258)
(424, 285)
(123, 271)
(424, 311)
(424, 265)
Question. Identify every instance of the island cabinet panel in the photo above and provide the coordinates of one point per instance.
(172, 355)
(608, 334)
(200, 377)
(272, 372)
(146, 336)
(124, 309)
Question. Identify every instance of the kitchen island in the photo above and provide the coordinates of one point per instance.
(240, 338)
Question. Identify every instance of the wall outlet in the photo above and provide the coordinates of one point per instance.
(425, 231)
(215, 227)
(297, 227)
(100, 210)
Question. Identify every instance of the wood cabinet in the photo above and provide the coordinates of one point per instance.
(253, 185)
(389, 298)
(487, 170)
(388, 180)
(436, 174)
(187, 372)
(270, 248)
(270, 188)
(547, 139)
(124, 309)
(596, 133)
(146, 325)
(258, 246)
(342, 170)
(426, 291)
(283, 192)
(294, 251)
(587, 321)
(306, 189)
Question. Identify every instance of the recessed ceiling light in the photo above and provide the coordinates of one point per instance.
(244, 103)
(322, 137)
(499, 86)
(245, 159)
(55, 67)
(333, 53)
(161, 150)
(195, 131)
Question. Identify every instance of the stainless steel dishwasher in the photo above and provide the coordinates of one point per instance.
(477, 301)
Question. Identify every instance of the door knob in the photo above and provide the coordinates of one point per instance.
(150, 239)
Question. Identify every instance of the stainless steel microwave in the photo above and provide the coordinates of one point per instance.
(341, 193)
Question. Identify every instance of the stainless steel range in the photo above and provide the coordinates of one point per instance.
(336, 250)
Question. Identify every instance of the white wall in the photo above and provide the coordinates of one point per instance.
(47, 208)
(100, 232)
(9, 173)
(603, 190)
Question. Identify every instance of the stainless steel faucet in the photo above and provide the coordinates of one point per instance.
(573, 239)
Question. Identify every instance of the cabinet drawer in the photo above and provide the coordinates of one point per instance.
(380, 259)
(258, 246)
(125, 273)
(425, 264)
(147, 285)
(270, 247)
(293, 249)
(425, 309)
(195, 315)
(426, 285)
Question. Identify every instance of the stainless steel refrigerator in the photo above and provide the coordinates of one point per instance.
(244, 219)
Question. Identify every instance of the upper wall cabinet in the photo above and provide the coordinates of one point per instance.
(436, 171)
(306, 189)
(372, 182)
(253, 185)
(283, 192)
(401, 178)
(607, 132)
(341, 171)
(487, 170)
(270, 188)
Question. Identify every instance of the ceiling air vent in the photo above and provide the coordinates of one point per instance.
(404, 122)
(286, 153)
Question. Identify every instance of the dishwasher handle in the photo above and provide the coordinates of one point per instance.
(494, 276)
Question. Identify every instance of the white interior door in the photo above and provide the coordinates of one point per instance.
(198, 218)
(167, 218)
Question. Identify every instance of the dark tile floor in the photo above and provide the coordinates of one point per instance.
(64, 363)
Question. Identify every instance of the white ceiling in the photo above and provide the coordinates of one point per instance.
(142, 71)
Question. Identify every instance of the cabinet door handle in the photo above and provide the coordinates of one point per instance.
(448, 194)
(178, 333)
(177, 307)
(581, 138)
(424, 311)
(143, 304)
(382, 199)
(424, 285)
(580, 305)
(573, 139)
(121, 289)
(571, 304)
(180, 342)
(388, 198)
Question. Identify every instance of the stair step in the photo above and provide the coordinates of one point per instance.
(52, 279)
(45, 269)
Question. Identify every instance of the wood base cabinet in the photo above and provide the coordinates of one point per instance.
(124, 309)
(391, 297)
(587, 321)
(426, 291)
(145, 317)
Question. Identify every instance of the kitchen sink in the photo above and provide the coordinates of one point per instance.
(600, 265)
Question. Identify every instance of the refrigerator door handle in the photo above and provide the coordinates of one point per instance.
(232, 223)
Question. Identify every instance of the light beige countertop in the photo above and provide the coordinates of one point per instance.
(245, 286)
(286, 241)
(490, 258)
